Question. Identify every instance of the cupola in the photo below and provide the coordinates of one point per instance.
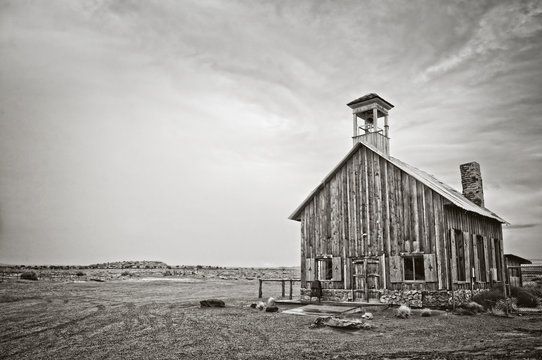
(370, 108)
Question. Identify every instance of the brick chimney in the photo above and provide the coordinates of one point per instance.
(471, 181)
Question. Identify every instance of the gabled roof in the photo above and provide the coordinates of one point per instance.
(428, 180)
(369, 97)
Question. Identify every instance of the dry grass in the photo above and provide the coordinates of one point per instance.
(163, 320)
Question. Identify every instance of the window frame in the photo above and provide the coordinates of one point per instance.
(414, 259)
(460, 260)
(329, 268)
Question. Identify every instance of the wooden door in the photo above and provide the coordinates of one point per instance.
(366, 282)
(373, 279)
(359, 280)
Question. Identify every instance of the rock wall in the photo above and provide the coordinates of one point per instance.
(329, 295)
(412, 298)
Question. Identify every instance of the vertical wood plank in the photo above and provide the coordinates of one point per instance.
(370, 203)
(400, 214)
(466, 248)
(348, 273)
(415, 227)
(422, 218)
(406, 211)
(337, 268)
(486, 258)
(365, 203)
(396, 271)
(393, 207)
(303, 245)
(334, 215)
(311, 270)
(379, 239)
(453, 259)
(430, 267)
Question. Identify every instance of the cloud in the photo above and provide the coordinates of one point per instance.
(500, 32)
(191, 129)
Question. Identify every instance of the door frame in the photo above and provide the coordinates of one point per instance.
(364, 276)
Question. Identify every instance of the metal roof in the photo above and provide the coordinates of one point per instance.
(454, 196)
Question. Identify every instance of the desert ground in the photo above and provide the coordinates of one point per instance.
(133, 317)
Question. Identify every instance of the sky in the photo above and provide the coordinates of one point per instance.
(188, 131)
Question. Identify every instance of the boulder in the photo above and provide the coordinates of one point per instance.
(273, 308)
(353, 324)
(212, 303)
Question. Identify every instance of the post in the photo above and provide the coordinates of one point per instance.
(260, 289)
(375, 119)
(283, 286)
(355, 126)
(386, 127)
(291, 286)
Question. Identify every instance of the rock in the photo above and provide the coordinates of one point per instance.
(340, 323)
(270, 302)
(367, 316)
(260, 306)
(212, 303)
(273, 308)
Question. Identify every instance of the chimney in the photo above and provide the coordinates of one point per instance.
(471, 181)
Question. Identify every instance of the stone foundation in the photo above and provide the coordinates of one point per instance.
(412, 298)
(329, 295)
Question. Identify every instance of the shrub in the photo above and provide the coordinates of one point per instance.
(403, 312)
(426, 312)
(80, 273)
(29, 276)
(533, 288)
(488, 299)
(525, 297)
(125, 273)
(504, 307)
(471, 308)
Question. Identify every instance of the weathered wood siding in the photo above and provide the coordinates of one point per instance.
(472, 225)
(370, 207)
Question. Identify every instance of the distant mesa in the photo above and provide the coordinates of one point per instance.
(131, 265)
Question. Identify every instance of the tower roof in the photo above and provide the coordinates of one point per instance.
(366, 98)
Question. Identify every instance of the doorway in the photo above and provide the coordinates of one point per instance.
(366, 279)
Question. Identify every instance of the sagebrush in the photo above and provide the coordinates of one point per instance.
(29, 275)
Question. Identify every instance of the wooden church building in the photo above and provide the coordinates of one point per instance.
(377, 228)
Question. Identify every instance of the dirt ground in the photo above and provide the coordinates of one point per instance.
(136, 319)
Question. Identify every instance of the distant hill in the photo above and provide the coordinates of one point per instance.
(144, 264)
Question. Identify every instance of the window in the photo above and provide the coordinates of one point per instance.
(481, 258)
(460, 255)
(324, 269)
(414, 270)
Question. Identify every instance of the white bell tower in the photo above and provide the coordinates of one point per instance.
(370, 108)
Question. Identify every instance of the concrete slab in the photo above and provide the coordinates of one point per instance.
(319, 310)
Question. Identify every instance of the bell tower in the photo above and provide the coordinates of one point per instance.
(370, 108)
